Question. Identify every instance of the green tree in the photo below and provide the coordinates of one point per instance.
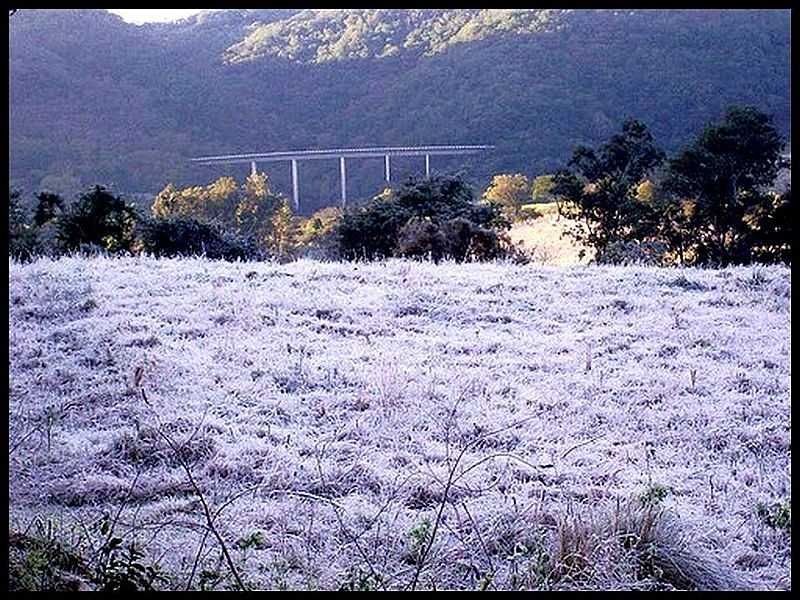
(672, 221)
(256, 208)
(542, 189)
(256, 186)
(372, 231)
(245, 211)
(168, 203)
(598, 189)
(48, 207)
(219, 201)
(98, 218)
(771, 227)
(320, 224)
(725, 172)
(510, 192)
(215, 202)
(284, 231)
(21, 236)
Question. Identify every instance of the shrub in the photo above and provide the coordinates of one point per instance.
(632, 253)
(373, 231)
(654, 495)
(184, 236)
(48, 207)
(511, 192)
(122, 569)
(467, 241)
(484, 244)
(421, 239)
(42, 560)
(22, 240)
(98, 218)
(776, 515)
(459, 233)
(457, 239)
(529, 212)
(319, 225)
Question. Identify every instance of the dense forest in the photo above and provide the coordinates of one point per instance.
(94, 99)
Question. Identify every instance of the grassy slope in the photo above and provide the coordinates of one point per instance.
(360, 383)
(546, 240)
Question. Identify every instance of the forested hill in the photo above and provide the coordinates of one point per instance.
(94, 99)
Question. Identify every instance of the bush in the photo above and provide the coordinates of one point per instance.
(421, 239)
(100, 219)
(776, 515)
(48, 207)
(40, 237)
(43, 561)
(184, 236)
(318, 237)
(633, 253)
(457, 239)
(22, 240)
(319, 225)
(374, 231)
(771, 234)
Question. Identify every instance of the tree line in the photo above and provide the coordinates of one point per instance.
(711, 204)
(432, 218)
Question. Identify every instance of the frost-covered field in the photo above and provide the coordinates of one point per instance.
(325, 408)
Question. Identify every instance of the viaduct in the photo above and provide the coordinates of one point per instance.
(342, 154)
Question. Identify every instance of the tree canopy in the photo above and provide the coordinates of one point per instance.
(724, 176)
(598, 189)
(511, 192)
(713, 203)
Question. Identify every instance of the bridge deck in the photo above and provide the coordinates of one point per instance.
(341, 153)
(295, 156)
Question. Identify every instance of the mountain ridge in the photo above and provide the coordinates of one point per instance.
(96, 100)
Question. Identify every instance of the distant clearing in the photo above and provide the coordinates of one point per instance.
(546, 239)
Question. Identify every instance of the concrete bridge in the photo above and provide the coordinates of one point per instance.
(342, 154)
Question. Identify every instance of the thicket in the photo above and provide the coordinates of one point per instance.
(99, 221)
(216, 222)
(426, 218)
(711, 204)
(184, 236)
(21, 237)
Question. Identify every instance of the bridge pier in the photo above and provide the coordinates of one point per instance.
(384, 151)
(295, 186)
(343, 172)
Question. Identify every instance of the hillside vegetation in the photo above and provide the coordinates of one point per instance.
(399, 425)
(96, 100)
